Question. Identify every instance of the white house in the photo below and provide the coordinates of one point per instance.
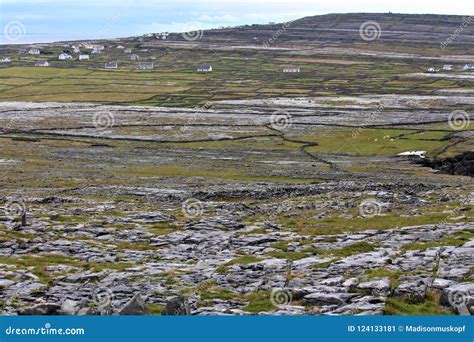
(120, 47)
(65, 56)
(128, 50)
(83, 57)
(291, 68)
(162, 35)
(145, 66)
(448, 67)
(96, 52)
(34, 51)
(135, 57)
(5, 60)
(98, 47)
(76, 49)
(41, 63)
(468, 67)
(204, 68)
(111, 65)
(432, 70)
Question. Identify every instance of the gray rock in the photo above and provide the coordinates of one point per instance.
(41, 310)
(177, 307)
(319, 298)
(377, 287)
(135, 307)
(69, 307)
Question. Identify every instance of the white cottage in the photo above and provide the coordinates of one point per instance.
(83, 57)
(291, 68)
(64, 56)
(34, 51)
(111, 65)
(42, 63)
(145, 66)
(204, 68)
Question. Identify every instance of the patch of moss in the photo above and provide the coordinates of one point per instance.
(393, 275)
(217, 293)
(258, 302)
(244, 260)
(354, 248)
(289, 255)
(457, 239)
(155, 309)
(403, 306)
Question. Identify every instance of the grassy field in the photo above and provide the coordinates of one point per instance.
(237, 74)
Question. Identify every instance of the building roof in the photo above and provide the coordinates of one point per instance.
(42, 62)
(205, 67)
(111, 64)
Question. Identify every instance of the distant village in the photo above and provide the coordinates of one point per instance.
(85, 52)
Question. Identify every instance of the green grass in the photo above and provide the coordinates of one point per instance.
(258, 302)
(244, 260)
(457, 239)
(338, 225)
(393, 275)
(370, 141)
(289, 255)
(38, 264)
(402, 306)
(217, 293)
(155, 309)
(354, 248)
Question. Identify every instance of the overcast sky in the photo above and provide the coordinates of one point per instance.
(52, 20)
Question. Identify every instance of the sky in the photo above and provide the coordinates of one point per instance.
(29, 21)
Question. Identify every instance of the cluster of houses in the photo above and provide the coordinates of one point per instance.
(450, 67)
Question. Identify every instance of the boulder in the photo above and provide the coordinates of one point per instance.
(42, 309)
(177, 306)
(135, 307)
(376, 287)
